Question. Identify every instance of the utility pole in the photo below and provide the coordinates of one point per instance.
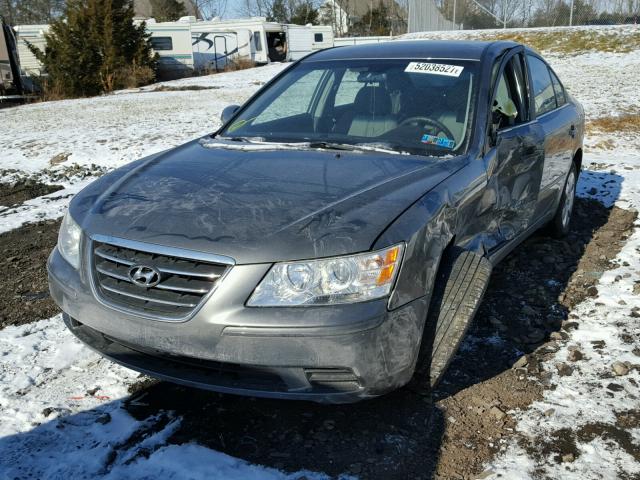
(454, 13)
(504, 13)
(571, 14)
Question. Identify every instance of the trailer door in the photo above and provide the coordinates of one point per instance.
(299, 40)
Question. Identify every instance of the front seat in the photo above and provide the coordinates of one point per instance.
(454, 109)
(371, 115)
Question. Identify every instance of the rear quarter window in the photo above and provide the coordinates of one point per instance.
(543, 92)
(561, 96)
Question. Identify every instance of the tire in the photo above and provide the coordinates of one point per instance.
(559, 226)
(460, 285)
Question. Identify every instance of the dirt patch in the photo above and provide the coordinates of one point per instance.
(185, 88)
(12, 194)
(625, 123)
(24, 291)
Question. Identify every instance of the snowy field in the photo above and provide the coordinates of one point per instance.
(45, 374)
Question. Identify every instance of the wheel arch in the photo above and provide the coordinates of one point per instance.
(577, 159)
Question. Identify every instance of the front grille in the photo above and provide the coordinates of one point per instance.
(184, 282)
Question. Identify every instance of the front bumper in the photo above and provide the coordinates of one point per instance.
(333, 354)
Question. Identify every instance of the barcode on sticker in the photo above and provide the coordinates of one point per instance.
(434, 68)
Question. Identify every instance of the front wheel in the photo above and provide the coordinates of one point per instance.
(560, 224)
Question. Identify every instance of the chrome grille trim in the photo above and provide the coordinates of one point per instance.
(148, 299)
(189, 278)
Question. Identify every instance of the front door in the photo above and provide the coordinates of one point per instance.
(517, 153)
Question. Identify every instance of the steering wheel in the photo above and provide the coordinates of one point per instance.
(426, 121)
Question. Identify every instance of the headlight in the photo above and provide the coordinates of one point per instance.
(69, 241)
(354, 278)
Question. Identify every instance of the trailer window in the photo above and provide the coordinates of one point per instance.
(257, 41)
(318, 38)
(161, 43)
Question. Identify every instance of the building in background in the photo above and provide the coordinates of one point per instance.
(352, 17)
(425, 16)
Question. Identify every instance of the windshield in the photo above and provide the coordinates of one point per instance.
(411, 106)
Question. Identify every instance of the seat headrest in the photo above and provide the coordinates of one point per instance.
(373, 101)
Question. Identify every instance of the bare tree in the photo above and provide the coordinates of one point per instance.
(31, 11)
(208, 9)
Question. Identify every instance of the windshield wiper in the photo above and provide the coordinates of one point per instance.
(360, 147)
(332, 146)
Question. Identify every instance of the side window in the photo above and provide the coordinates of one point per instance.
(543, 93)
(257, 41)
(519, 70)
(510, 94)
(561, 97)
(161, 43)
(348, 88)
(318, 37)
(284, 106)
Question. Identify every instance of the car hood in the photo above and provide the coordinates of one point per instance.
(258, 206)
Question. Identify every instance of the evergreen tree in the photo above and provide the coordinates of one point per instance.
(375, 22)
(95, 47)
(304, 13)
(167, 10)
(279, 12)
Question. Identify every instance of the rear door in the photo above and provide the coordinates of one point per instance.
(516, 161)
(557, 119)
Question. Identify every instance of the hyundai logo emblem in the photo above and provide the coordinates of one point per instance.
(144, 276)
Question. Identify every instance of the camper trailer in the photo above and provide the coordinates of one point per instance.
(34, 35)
(322, 37)
(172, 42)
(215, 45)
(191, 45)
(257, 39)
(267, 41)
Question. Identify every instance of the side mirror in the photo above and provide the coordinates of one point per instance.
(228, 112)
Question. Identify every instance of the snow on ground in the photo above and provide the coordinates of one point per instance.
(55, 396)
(61, 416)
(113, 130)
(591, 399)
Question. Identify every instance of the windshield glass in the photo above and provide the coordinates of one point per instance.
(418, 107)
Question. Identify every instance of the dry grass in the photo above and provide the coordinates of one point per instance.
(625, 123)
(239, 64)
(574, 41)
(568, 41)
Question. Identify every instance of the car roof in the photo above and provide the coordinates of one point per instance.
(414, 49)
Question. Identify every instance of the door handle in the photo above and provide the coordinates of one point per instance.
(572, 131)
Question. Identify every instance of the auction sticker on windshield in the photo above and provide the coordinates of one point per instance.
(434, 68)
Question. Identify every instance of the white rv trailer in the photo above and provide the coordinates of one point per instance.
(189, 45)
(34, 35)
(172, 42)
(264, 36)
(299, 41)
(322, 37)
(214, 46)
(296, 40)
